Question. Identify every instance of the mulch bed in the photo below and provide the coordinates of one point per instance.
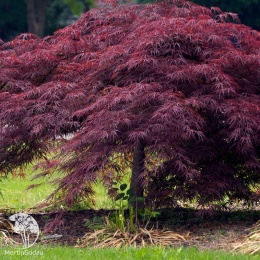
(218, 232)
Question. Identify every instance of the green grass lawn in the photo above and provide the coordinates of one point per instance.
(156, 253)
(15, 195)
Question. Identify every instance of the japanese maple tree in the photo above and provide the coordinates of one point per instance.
(171, 90)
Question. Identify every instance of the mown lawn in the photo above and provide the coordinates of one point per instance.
(14, 193)
(156, 253)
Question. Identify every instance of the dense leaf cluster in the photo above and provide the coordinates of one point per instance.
(182, 79)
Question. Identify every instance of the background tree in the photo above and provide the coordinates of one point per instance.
(60, 13)
(38, 16)
(169, 90)
(13, 18)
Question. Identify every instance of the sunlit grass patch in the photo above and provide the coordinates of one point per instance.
(15, 194)
(153, 253)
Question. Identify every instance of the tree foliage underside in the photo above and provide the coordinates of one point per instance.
(182, 79)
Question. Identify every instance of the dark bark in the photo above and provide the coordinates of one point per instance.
(36, 16)
(137, 168)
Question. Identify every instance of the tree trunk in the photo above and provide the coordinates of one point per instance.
(137, 169)
(36, 16)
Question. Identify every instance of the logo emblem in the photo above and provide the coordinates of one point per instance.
(26, 229)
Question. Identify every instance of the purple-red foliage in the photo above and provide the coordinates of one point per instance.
(183, 79)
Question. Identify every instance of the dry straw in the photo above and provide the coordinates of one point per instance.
(250, 245)
(105, 238)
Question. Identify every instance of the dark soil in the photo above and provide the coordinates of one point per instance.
(219, 231)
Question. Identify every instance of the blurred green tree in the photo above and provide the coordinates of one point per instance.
(40, 17)
(13, 18)
(60, 13)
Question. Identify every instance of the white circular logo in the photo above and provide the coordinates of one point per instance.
(26, 230)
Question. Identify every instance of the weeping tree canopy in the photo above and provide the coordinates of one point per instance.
(171, 90)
